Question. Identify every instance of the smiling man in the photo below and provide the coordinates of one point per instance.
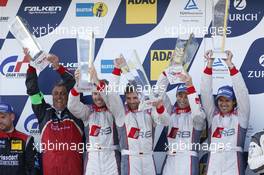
(227, 117)
(57, 125)
(187, 120)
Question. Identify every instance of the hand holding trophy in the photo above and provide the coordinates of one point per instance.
(136, 76)
(181, 59)
(27, 40)
(219, 24)
(85, 52)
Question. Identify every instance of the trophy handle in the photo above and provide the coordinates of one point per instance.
(186, 48)
(225, 24)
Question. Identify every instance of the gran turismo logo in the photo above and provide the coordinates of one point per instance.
(12, 68)
(191, 5)
(31, 125)
(240, 4)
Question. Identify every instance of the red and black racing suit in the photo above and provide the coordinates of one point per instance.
(56, 128)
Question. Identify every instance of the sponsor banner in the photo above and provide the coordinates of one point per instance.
(107, 66)
(141, 11)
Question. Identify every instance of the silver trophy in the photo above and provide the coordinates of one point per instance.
(219, 24)
(183, 55)
(85, 51)
(27, 40)
(136, 76)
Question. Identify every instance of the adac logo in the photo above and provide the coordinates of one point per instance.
(31, 125)
(160, 60)
(240, 4)
(141, 11)
(12, 68)
(191, 5)
(98, 9)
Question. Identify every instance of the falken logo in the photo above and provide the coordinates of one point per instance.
(70, 66)
(219, 132)
(240, 4)
(42, 9)
(191, 5)
(11, 67)
(31, 125)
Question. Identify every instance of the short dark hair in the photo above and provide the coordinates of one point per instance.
(130, 88)
(59, 84)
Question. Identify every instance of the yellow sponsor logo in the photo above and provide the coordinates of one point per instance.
(100, 9)
(160, 60)
(141, 11)
(16, 145)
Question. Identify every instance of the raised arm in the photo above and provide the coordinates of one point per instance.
(207, 89)
(159, 114)
(111, 96)
(197, 112)
(65, 75)
(39, 106)
(241, 92)
(75, 106)
(161, 87)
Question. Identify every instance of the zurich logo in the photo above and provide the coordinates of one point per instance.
(240, 4)
(191, 5)
(261, 60)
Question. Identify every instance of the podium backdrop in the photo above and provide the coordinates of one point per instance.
(149, 26)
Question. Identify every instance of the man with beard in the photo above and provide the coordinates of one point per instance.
(16, 149)
(100, 119)
(137, 128)
(57, 125)
(227, 117)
